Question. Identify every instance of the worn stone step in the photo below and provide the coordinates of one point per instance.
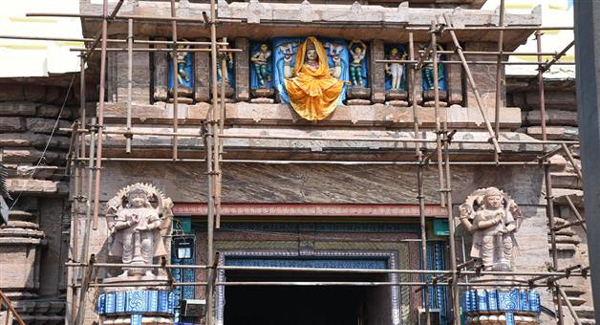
(577, 301)
(566, 247)
(558, 221)
(566, 232)
(574, 291)
(587, 321)
(575, 195)
(584, 311)
(568, 239)
(566, 180)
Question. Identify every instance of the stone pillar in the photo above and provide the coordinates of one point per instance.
(201, 75)
(377, 72)
(161, 72)
(111, 77)
(141, 74)
(484, 76)
(418, 80)
(454, 78)
(242, 72)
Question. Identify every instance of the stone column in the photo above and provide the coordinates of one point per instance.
(454, 78)
(484, 76)
(201, 75)
(242, 72)
(141, 74)
(161, 72)
(377, 72)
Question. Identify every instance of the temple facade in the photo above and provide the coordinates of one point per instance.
(315, 173)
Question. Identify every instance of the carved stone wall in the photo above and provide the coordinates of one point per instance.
(33, 244)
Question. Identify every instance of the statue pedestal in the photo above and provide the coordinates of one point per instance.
(262, 95)
(148, 302)
(501, 304)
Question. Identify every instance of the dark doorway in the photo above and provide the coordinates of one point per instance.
(305, 305)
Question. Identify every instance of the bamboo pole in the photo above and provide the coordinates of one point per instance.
(572, 161)
(85, 284)
(175, 79)
(109, 40)
(540, 76)
(499, 79)
(436, 98)
(100, 115)
(473, 86)
(550, 215)
(421, 198)
(101, 35)
(129, 82)
(413, 88)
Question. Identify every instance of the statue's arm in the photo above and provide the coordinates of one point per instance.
(287, 67)
(482, 224)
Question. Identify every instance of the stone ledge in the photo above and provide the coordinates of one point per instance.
(349, 115)
(37, 186)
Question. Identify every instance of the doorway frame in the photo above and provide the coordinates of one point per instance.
(390, 257)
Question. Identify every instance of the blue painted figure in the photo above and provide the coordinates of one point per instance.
(358, 50)
(260, 63)
(428, 74)
(184, 68)
(229, 76)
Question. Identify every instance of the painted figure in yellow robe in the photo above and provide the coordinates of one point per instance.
(314, 92)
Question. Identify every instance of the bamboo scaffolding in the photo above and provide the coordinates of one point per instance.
(102, 92)
(109, 40)
(499, 79)
(130, 83)
(436, 109)
(312, 138)
(175, 68)
(473, 86)
(552, 226)
(214, 134)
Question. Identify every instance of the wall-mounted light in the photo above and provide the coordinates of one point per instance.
(184, 248)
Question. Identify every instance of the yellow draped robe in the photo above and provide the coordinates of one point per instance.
(314, 93)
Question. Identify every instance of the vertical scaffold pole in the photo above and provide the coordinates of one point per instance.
(175, 80)
(129, 82)
(499, 79)
(100, 113)
(436, 100)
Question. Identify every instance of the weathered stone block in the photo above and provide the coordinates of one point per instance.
(242, 72)
(553, 117)
(35, 93)
(484, 76)
(202, 76)
(53, 111)
(44, 125)
(11, 91)
(36, 186)
(161, 72)
(11, 124)
(376, 71)
(555, 99)
(17, 108)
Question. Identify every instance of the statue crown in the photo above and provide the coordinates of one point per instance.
(137, 189)
(492, 191)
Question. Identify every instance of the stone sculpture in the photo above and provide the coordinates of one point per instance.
(260, 60)
(428, 74)
(183, 75)
(395, 70)
(493, 218)
(142, 216)
(358, 50)
(314, 93)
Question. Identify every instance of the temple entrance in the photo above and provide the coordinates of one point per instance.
(306, 305)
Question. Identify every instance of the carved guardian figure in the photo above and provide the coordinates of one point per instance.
(142, 216)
